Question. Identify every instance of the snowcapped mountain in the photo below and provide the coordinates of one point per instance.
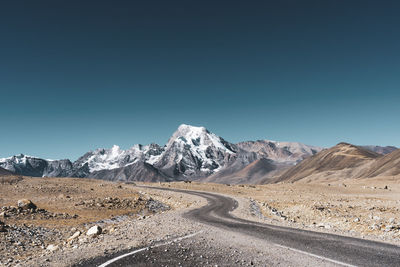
(191, 153)
(32, 166)
(103, 163)
(194, 152)
(108, 159)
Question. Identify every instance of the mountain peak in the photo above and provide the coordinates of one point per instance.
(193, 151)
(196, 130)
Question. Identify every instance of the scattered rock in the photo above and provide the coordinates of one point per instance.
(26, 204)
(52, 247)
(113, 203)
(389, 228)
(112, 230)
(323, 225)
(356, 220)
(32, 213)
(2, 227)
(94, 231)
(74, 236)
(156, 206)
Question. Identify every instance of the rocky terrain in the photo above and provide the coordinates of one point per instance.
(41, 215)
(64, 221)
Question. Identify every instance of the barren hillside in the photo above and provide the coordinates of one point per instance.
(340, 157)
(5, 172)
(384, 166)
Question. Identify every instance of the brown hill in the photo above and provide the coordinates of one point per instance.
(340, 157)
(5, 172)
(388, 165)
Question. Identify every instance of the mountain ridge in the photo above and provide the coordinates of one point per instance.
(194, 153)
(191, 153)
(332, 160)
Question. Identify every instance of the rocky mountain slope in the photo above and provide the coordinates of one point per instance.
(252, 173)
(138, 171)
(282, 152)
(5, 172)
(100, 161)
(32, 166)
(194, 152)
(388, 165)
(260, 161)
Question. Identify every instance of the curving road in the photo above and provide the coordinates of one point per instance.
(345, 251)
(340, 249)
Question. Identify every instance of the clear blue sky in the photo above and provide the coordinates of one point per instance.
(78, 75)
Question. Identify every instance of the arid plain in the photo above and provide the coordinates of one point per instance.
(66, 208)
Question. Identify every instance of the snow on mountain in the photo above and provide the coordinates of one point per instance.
(194, 152)
(191, 153)
(107, 159)
(32, 166)
(115, 157)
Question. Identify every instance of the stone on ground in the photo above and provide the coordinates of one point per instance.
(94, 230)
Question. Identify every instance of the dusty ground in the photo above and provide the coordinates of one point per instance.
(68, 205)
(359, 207)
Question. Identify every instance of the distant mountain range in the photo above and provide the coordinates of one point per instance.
(191, 153)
